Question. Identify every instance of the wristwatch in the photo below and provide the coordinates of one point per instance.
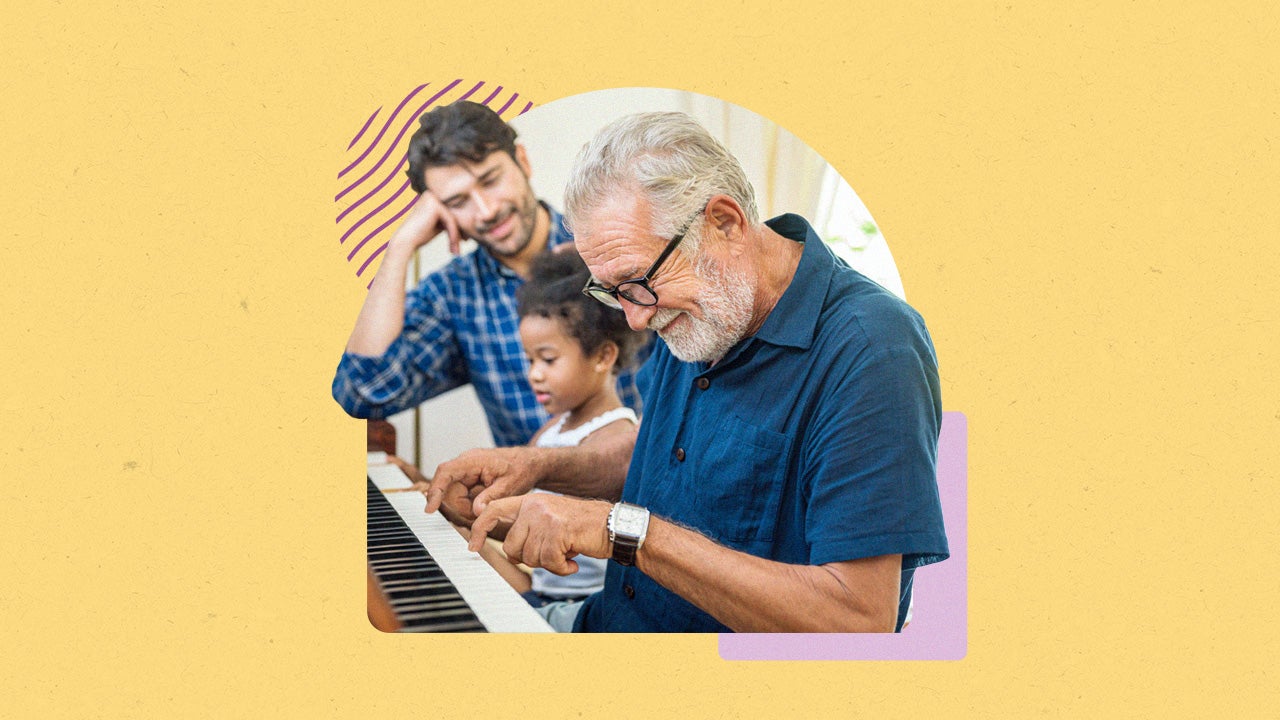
(628, 525)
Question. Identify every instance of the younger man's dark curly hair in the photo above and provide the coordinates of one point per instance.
(554, 290)
(452, 134)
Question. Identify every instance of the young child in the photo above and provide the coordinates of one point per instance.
(575, 346)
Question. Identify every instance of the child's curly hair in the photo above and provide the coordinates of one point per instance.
(554, 290)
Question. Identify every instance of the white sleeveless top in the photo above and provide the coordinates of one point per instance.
(590, 575)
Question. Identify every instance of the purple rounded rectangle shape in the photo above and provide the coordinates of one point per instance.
(940, 618)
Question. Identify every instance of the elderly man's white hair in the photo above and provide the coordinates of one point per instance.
(669, 157)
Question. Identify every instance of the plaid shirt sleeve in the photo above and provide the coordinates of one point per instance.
(423, 361)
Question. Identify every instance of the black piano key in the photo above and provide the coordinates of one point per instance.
(421, 596)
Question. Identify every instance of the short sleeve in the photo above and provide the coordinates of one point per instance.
(871, 462)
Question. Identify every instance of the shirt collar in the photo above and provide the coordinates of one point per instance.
(793, 321)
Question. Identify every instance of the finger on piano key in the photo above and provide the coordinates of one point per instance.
(438, 586)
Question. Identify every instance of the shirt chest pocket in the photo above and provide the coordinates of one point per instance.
(740, 481)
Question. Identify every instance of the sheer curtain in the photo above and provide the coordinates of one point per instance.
(789, 176)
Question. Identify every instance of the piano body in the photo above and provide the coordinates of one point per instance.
(422, 577)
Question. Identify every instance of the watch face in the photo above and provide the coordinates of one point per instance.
(630, 521)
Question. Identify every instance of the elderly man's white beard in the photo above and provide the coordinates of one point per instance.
(726, 304)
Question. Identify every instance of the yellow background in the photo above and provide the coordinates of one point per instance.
(1082, 203)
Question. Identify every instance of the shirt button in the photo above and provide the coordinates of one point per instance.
(680, 454)
(629, 591)
(703, 383)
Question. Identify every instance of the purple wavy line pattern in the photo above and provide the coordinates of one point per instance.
(380, 202)
(404, 207)
(404, 129)
(360, 134)
(395, 172)
(394, 114)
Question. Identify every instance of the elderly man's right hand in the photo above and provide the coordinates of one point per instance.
(487, 474)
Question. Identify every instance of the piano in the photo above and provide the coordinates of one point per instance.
(422, 577)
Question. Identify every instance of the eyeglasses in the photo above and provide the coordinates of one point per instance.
(637, 291)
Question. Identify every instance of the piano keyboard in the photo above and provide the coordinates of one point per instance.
(387, 476)
(432, 582)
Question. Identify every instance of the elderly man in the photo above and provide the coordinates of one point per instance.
(783, 479)
(459, 325)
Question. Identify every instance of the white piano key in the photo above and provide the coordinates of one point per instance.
(389, 477)
(497, 605)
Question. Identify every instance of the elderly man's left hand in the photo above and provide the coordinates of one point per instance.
(546, 530)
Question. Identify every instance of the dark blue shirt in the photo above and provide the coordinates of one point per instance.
(460, 326)
(813, 441)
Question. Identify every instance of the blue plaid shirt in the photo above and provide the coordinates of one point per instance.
(460, 326)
